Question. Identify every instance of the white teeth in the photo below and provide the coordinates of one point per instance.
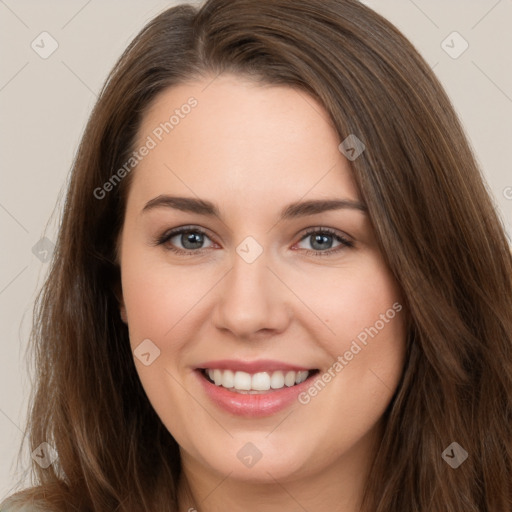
(289, 378)
(261, 381)
(277, 380)
(258, 382)
(228, 379)
(242, 381)
(217, 377)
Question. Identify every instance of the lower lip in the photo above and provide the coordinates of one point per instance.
(253, 406)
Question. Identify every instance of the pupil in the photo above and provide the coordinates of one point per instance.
(192, 240)
(322, 240)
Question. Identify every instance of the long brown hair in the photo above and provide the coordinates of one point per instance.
(434, 219)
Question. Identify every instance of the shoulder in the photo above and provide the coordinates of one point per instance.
(47, 498)
(21, 508)
(20, 503)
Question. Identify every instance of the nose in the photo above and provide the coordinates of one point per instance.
(252, 300)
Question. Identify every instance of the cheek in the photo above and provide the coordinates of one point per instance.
(147, 303)
(363, 332)
(366, 357)
(157, 295)
(346, 301)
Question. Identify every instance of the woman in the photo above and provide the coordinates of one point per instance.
(194, 353)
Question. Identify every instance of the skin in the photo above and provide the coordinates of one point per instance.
(252, 149)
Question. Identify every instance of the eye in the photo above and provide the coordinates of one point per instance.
(321, 241)
(190, 240)
(184, 240)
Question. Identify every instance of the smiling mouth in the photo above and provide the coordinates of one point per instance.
(256, 383)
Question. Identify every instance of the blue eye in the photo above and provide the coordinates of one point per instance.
(190, 240)
(322, 239)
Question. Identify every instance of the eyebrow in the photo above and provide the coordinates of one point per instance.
(291, 211)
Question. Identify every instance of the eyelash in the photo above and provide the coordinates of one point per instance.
(344, 242)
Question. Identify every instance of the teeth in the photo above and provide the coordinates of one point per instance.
(258, 382)
(277, 380)
(301, 376)
(217, 377)
(242, 381)
(228, 379)
(289, 378)
(261, 381)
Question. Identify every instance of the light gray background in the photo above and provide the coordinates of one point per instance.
(44, 105)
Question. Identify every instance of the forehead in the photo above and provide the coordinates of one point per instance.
(228, 134)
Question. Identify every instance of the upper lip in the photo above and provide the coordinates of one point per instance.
(261, 365)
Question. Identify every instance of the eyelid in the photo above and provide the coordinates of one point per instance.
(330, 231)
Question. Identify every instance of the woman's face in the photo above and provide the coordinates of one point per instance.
(277, 278)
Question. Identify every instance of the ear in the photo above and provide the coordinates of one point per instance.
(118, 292)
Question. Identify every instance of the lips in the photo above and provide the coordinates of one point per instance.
(253, 389)
(262, 365)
